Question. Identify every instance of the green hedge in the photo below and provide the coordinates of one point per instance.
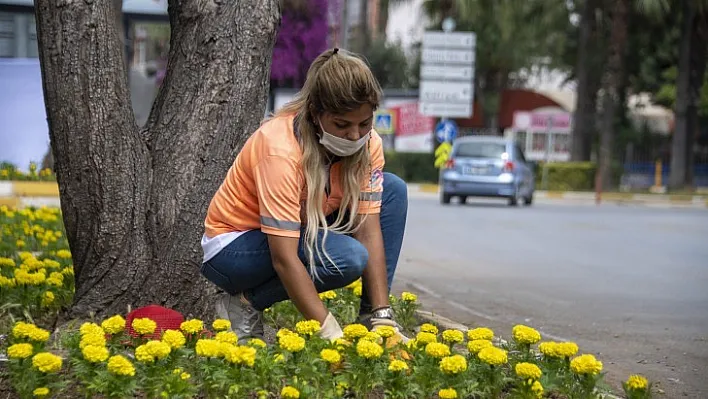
(412, 167)
(567, 176)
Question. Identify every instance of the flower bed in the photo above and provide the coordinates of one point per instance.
(202, 359)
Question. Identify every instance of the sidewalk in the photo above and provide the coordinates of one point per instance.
(676, 200)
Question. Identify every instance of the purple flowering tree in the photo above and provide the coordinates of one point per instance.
(302, 37)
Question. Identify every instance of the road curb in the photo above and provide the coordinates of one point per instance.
(683, 200)
(444, 322)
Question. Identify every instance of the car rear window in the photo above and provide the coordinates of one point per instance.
(480, 150)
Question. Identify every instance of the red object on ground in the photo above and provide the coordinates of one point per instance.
(166, 319)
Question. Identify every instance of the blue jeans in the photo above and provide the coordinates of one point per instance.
(245, 265)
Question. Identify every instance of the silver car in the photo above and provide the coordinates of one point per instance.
(484, 166)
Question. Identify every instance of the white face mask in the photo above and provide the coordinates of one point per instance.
(342, 147)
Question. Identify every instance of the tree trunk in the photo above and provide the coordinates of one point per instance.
(364, 38)
(612, 82)
(383, 19)
(699, 58)
(679, 144)
(134, 200)
(586, 100)
(491, 96)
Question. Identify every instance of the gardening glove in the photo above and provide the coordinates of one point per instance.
(330, 328)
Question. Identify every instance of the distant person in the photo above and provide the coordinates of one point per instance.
(306, 207)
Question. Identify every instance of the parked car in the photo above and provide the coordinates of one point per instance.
(484, 166)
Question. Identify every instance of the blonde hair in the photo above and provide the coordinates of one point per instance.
(337, 82)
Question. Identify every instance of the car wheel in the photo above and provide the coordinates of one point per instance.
(445, 198)
(528, 200)
(515, 199)
(463, 199)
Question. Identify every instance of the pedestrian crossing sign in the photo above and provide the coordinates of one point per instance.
(383, 122)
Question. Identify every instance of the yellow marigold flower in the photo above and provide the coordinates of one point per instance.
(207, 348)
(636, 383)
(52, 264)
(46, 362)
(113, 325)
(47, 298)
(342, 344)
(40, 392)
(368, 349)
(586, 364)
(385, 331)
(91, 328)
(278, 358)
(412, 344)
(437, 350)
(177, 371)
(372, 336)
(566, 349)
(292, 342)
(95, 354)
(330, 356)
(525, 335)
(144, 326)
(408, 297)
(429, 328)
(56, 275)
(192, 326)
(7, 262)
(528, 371)
(158, 349)
(20, 351)
(453, 336)
(493, 356)
(22, 329)
(185, 376)
(24, 255)
(67, 271)
(284, 331)
(448, 393)
(262, 394)
(228, 337)
(357, 290)
(255, 342)
(7, 282)
(20, 243)
(142, 355)
(354, 331)
(119, 365)
(175, 339)
(289, 392)
(426, 337)
(397, 365)
(63, 254)
(308, 327)
(94, 339)
(221, 325)
(355, 284)
(242, 355)
(38, 335)
(477, 345)
(454, 364)
(537, 388)
(328, 295)
(480, 333)
(26, 278)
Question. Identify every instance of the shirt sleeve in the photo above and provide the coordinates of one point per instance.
(278, 186)
(372, 187)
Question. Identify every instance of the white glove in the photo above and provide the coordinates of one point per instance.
(330, 328)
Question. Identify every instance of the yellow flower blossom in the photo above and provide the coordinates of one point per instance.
(330, 356)
(63, 254)
(7, 262)
(284, 331)
(437, 350)
(175, 339)
(292, 342)
(192, 326)
(119, 365)
(525, 335)
(144, 326)
(527, 371)
(368, 349)
(94, 339)
(586, 364)
(221, 325)
(47, 298)
(20, 351)
(158, 349)
(558, 349)
(537, 388)
(207, 348)
(289, 392)
(493, 356)
(477, 345)
(40, 392)
(453, 336)
(113, 325)
(357, 290)
(636, 383)
(449, 393)
(47, 362)
(372, 336)
(245, 355)
(95, 354)
(7, 282)
(397, 365)
(308, 327)
(480, 333)
(24, 277)
(426, 337)
(354, 331)
(408, 297)
(258, 343)
(454, 364)
(429, 328)
(228, 337)
(278, 358)
(327, 295)
(385, 331)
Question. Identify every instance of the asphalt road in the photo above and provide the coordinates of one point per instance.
(629, 284)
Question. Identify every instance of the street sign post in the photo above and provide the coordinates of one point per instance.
(447, 73)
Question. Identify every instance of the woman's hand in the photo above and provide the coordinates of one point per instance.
(330, 328)
(375, 277)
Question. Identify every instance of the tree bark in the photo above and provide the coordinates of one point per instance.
(679, 144)
(612, 83)
(588, 85)
(383, 18)
(364, 37)
(134, 200)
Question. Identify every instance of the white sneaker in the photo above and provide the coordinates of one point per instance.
(246, 321)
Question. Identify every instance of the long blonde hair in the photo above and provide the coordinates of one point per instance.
(337, 82)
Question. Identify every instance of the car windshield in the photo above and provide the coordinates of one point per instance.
(480, 150)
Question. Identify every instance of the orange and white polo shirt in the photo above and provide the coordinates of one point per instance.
(265, 187)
